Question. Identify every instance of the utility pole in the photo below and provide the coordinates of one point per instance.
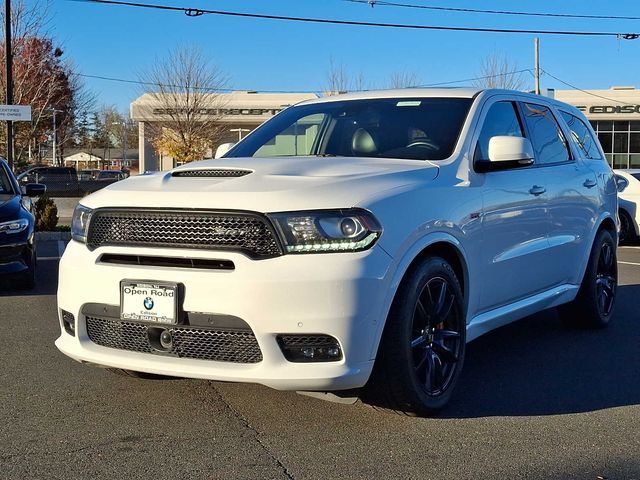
(8, 61)
(537, 55)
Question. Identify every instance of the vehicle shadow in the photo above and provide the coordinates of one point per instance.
(46, 281)
(538, 366)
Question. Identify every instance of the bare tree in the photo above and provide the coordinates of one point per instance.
(340, 80)
(42, 78)
(403, 79)
(500, 72)
(185, 91)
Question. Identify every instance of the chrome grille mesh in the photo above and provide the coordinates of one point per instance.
(188, 342)
(191, 229)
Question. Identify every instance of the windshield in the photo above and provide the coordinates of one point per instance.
(5, 184)
(408, 128)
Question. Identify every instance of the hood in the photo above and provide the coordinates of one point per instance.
(266, 184)
(9, 207)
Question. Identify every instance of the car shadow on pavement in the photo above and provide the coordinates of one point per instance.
(46, 281)
(538, 366)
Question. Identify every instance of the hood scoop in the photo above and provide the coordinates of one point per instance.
(211, 173)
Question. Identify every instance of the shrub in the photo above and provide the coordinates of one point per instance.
(46, 214)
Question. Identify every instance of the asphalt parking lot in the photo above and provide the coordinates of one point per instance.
(536, 400)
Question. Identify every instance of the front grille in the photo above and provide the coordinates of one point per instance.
(215, 173)
(246, 232)
(188, 342)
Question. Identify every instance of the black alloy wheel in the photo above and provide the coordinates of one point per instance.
(421, 351)
(594, 304)
(606, 279)
(626, 234)
(436, 338)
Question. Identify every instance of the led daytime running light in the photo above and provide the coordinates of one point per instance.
(334, 246)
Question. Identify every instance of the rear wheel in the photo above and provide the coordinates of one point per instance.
(422, 348)
(593, 306)
(627, 231)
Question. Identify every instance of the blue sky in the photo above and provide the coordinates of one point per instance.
(272, 55)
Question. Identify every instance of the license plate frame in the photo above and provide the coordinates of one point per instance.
(135, 305)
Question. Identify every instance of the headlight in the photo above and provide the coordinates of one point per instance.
(327, 231)
(14, 226)
(80, 223)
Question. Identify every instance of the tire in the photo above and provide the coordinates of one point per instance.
(422, 349)
(593, 306)
(134, 374)
(627, 230)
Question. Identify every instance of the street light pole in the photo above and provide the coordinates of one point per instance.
(8, 61)
(55, 136)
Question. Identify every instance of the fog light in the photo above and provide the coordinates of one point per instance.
(310, 348)
(69, 322)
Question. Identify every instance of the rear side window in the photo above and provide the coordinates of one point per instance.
(501, 120)
(546, 136)
(582, 137)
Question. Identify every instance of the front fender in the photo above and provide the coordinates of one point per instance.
(401, 264)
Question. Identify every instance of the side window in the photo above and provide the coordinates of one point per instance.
(546, 136)
(582, 137)
(502, 119)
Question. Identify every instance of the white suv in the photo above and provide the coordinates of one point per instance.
(351, 241)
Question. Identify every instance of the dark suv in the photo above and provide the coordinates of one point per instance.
(17, 227)
(60, 181)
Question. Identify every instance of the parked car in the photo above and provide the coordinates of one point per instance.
(352, 244)
(90, 174)
(114, 175)
(60, 181)
(17, 226)
(628, 200)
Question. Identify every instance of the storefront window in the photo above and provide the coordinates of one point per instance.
(605, 125)
(620, 143)
(620, 160)
(621, 126)
(634, 160)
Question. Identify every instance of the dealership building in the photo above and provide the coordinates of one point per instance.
(614, 114)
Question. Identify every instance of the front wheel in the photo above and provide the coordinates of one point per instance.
(593, 306)
(422, 349)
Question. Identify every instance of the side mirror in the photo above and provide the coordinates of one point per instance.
(34, 189)
(621, 183)
(224, 148)
(507, 152)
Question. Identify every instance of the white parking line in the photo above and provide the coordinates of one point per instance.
(629, 263)
(630, 248)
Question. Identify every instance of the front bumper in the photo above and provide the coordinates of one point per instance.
(340, 294)
(16, 256)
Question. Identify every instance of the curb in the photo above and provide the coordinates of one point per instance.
(53, 236)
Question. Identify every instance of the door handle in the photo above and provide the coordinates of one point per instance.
(537, 190)
(590, 183)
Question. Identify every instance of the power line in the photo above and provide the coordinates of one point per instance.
(383, 3)
(581, 90)
(196, 12)
(227, 90)
(515, 72)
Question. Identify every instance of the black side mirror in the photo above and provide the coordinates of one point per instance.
(34, 189)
